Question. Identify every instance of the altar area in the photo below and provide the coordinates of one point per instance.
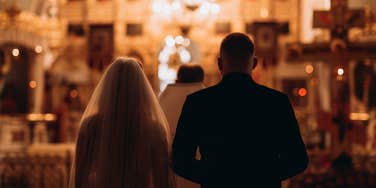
(44, 165)
(28, 158)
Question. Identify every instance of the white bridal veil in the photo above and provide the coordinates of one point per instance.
(124, 137)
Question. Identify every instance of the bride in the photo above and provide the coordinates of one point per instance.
(124, 137)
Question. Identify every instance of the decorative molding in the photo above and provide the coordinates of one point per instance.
(31, 30)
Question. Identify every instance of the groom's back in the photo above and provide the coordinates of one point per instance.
(247, 134)
(237, 131)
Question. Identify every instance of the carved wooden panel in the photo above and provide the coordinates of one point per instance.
(134, 29)
(101, 46)
(222, 27)
(76, 29)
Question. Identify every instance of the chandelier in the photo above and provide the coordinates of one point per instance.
(174, 52)
(47, 9)
(177, 49)
(185, 13)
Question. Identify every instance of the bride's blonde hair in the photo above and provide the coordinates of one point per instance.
(124, 136)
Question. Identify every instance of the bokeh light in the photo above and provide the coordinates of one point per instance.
(38, 49)
(15, 52)
(302, 92)
(32, 84)
(309, 69)
(340, 71)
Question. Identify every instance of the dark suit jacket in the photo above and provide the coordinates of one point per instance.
(247, 134)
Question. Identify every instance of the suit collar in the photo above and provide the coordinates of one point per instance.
(237, 77)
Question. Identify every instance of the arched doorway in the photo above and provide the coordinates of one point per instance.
(15, 79)
(29, 42)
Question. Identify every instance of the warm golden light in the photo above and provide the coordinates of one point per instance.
(49, 117)
(32, 84)
(340, 71)
(41, 117)
(176, 10)
(170, 41)
(15, 52)
(179, 39)
(73, 93)
(302, 92)
(35, 117)
(264, 13)
(38, 49)
(309, 69)
(359, 116)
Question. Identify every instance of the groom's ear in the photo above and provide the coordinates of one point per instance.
(219, 63)
(255, 62)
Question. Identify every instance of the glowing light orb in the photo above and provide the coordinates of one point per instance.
(309, 69)
(302, 92)
(73, 93)
(340, 71)
(215, 8)
(15, 52)
(170, 41)
(264, 13)
(32, 84)
(185, 56)
(179, 39)
(38, 49)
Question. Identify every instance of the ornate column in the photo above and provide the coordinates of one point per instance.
(36, 83)
(36, 89)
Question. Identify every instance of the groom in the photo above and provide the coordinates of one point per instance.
(247, 134)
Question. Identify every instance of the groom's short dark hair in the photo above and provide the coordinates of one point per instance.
(237, 48)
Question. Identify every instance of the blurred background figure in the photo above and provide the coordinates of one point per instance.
(189, 80)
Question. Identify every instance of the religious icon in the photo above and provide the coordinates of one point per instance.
(363, 98)
(134, 29)
(14, 80)
(4, 65)
(222, 27)
(76, 30)
(362, 86)
(266, 39)
(265, 34)
(339, 19)
(101, 46)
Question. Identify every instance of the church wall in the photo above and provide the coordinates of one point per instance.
(63, 74)
(119, 13)
(73, 12)
(147, 45)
